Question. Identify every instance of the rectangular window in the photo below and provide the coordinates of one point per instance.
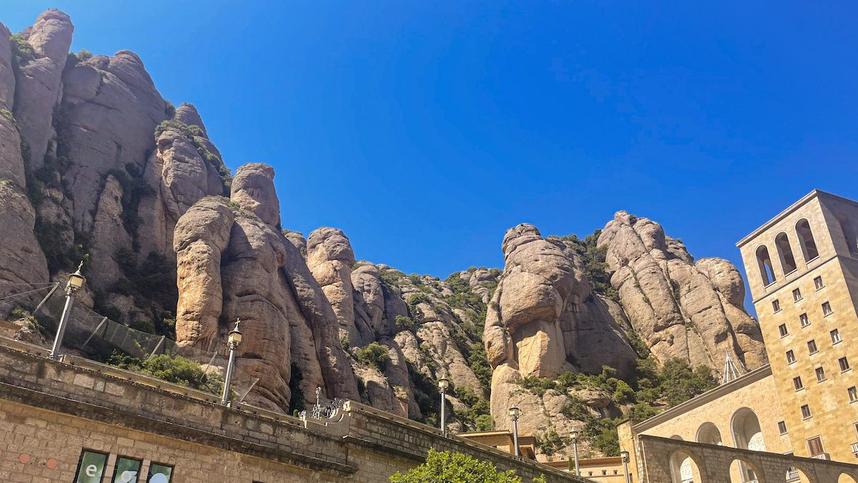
(811, 347)
(159, 473)
(844, 363)
(90, 467)
(826, 309)
(804, 320)
(815, 446)
(126, 470)
(796, 381)
(790, 357)
(853, 394)
(776, 305)
(817, 282)
(805, 411)
(835, 337)
(782, 427)
(796, 294)
(783, 330)
(820, 374)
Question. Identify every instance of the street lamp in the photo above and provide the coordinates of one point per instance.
(233, 340)
(443, 385)
(575, 451)
(624, 455)
(514, 413)
(75, 283)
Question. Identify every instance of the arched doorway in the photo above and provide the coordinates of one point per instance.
(746, 430)
(846, 478)
(683, 468)
(708, 433)
(747, 435)
(742, 471)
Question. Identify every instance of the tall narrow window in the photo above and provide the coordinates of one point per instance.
(853, 394)
(820, 374)
(783, 330)
(835, 336)
(803, 320)
(796, 381)
(790, 356)
(811, 346)
(815, 446)
(844, 363)
(805, 411)
(817, 282)
(785, 253)
(826, 309)
(805, 240)
(796, 295)
(776, 305)
(782, 427)
(766, 271)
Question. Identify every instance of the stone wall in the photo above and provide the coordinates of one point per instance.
(713, 463)
(50, 411)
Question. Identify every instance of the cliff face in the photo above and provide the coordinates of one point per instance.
(95, 165)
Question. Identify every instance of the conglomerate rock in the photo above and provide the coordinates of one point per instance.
(680, 309)
(38, 80)
(234, 263)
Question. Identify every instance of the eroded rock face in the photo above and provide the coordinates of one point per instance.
(7, 75)
(23, 262)
(234, 263)
(544, 319)
(330, 259)
(663, 293)
(38, 83)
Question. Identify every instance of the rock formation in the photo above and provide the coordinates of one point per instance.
(95, 165)
(681, 309)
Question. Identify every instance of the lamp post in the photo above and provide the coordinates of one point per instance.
(75, 283)
(443, 385)
(625, 457)
(233, 340)
(514, 413)
(575, 451)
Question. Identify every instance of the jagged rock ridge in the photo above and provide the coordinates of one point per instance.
(96, 165)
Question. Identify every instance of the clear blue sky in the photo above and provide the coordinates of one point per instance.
(426, 129)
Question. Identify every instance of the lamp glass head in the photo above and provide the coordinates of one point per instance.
(443, 383)
(234, 337)
(76, 280)
(574, 435)
(625, 456)
(514, 412)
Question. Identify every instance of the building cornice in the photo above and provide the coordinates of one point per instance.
(707, 397)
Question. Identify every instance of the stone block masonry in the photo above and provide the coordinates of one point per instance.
(50, 411)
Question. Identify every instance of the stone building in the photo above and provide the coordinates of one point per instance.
(778, 421)
(79, 420)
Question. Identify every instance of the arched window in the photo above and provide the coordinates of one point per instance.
(708, 433)
(742, 471)
(805, 240)
(683, 468)
(746, 430)
(766, 270)
(785, 253)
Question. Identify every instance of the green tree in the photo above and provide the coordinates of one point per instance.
(453, 467)
(373, 354)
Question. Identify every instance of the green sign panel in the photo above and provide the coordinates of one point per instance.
(126, 470)
(159, 473)
(91, 467)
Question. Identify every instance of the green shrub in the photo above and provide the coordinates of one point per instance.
(21, 48)
(454, 467)
(373, 354)
(401, 322)
(175, 369)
